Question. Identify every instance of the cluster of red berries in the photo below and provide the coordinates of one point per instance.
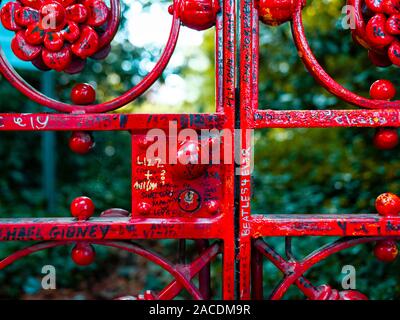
(387, 204)
(55, 34)
(385, 138)
(381, 32)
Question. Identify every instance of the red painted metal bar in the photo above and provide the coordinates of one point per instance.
(229, 280)
(255, 63)
(324, 225)
(245, 119)
(326, 118)
(27, 229)
(219, 62)
(263, 119)
(106, 121)
(19, 254)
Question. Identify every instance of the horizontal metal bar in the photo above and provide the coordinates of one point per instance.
(326, 118)
(324, 225)
(27, 229)
(105, 121)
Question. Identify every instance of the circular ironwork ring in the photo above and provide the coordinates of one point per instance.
(19, 83)
(315, 257)
(318, 72)
(127, 246)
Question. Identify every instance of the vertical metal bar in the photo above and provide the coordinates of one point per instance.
(48, 150)
(244, 146)
(255, 62)
(229, 104)
(288, 248)
(219, 61)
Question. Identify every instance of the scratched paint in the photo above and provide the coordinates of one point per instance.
(105, 122)
(326, 118)
(154, 183)
(245, 117)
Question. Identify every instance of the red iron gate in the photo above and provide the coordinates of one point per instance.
(208, 203)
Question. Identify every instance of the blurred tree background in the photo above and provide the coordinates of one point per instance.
(297, 171)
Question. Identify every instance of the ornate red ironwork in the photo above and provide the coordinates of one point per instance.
(208, 203)
(61, 35)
